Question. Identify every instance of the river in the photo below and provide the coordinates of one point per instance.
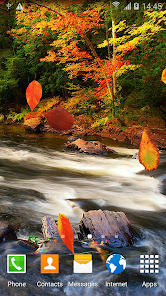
(39, 177)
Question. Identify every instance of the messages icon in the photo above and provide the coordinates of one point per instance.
(82, 263)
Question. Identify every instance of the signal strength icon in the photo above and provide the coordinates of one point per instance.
(116, 4)
(128, 7)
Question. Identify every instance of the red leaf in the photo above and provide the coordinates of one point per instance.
(66, 232)
(33, 94)
(59, 119)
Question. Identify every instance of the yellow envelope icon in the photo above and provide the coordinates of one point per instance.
(82, 263)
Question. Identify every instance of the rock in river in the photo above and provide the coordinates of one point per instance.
(33, 124)
(112, 228)
(107, 227)
(89, 147)
(7, 231)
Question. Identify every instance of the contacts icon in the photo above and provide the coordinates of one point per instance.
(49, 263)
(49, 266)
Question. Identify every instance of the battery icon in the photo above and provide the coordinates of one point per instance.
(136, 6)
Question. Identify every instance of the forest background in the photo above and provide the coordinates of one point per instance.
(100, 63)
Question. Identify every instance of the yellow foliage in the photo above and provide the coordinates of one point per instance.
(126, 68)
(133, 35)
(47, 104)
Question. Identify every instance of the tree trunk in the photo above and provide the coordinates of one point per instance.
(114, 54)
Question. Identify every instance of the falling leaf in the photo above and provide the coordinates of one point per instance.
(102, 252)
(66, 232)
(33, 94)
(148, 153)
(163, 78)
(59, 119)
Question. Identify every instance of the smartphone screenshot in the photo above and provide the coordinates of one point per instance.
(82, 148)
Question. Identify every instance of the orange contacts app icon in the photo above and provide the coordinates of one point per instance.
(49, 263)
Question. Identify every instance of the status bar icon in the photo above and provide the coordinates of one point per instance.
(116, 4)
(128, 7)
(8, 5)
(19, 7)
(136, 6)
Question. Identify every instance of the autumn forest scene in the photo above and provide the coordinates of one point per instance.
(101, 64)
(82, 147)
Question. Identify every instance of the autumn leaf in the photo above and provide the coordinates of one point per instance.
(2, 1)
(66, 232)
(148, 153)
(59, 119)
(163, 78)
(33, 94)
(102, 252)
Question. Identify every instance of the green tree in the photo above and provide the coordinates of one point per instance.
(147, 33)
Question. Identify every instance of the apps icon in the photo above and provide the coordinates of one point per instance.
(49, 263)
(116, 263)
(149, 263)
(16, 263)
(82, 263)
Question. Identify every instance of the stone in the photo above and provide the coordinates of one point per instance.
(89, 147)
(7, 231)
(72, 139)
(108, 227)
(33, 124)
(50, 229)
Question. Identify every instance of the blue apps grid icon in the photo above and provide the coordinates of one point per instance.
(116, 263)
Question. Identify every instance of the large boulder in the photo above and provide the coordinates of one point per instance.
(107, 227)
(33, 124)
(89, 147)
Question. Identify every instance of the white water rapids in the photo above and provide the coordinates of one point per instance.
(36, 181)
(106, 181)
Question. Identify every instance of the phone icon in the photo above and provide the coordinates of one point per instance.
(16, 263)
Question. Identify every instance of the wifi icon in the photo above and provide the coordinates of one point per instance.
(116, 3)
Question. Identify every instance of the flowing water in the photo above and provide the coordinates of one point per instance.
(39, 177)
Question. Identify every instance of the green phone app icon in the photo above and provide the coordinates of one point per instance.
(16, 263)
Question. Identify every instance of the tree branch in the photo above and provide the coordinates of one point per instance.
(47, 7)
(88, 43)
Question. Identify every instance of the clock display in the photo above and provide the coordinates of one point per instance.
(153, 6)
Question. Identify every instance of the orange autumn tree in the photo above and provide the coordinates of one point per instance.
(73, 30)
(74, 48)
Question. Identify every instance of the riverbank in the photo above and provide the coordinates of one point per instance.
(129, 135)
(126, 128)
